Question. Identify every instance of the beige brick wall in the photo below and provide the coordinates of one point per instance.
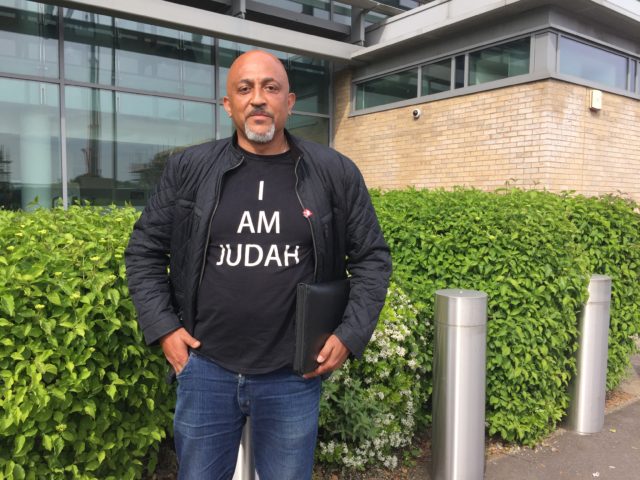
(535, 135)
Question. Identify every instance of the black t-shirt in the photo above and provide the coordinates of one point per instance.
(260, 248)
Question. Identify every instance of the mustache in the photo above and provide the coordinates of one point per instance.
(260, 111)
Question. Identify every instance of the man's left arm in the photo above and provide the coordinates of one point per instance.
(369, 266)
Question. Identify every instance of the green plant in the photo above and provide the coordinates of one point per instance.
(80, 395)
(369, 407)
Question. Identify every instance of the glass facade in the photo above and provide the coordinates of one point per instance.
(129, 93)
(500, 61)
(29, 38)
(30, 166)
(485, 65)
(388, 89)
(591, 63)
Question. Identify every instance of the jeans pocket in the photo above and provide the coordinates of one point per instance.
(186, 368)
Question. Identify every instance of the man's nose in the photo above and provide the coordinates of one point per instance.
(257, 98)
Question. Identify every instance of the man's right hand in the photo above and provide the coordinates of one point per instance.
(175, 346)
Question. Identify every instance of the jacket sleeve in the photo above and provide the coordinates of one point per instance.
(368, 263)
(147, 259)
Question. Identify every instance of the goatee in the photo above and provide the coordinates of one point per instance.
(259, 137)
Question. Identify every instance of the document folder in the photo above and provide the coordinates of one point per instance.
(319, 311)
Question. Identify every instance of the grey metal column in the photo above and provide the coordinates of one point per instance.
(588, 389)
(459, 371)
(245, 468)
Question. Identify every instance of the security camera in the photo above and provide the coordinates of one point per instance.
(416, 113)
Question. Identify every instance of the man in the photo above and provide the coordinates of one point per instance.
(240, 222)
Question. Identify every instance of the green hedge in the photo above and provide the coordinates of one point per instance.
(80, 395)
(609, 229)
(533, 253)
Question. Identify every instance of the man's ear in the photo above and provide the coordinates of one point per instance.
(291, 101)
(227, 105)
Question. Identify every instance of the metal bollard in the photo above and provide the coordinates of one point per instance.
(459, 385)
(588, 389)
(245, 468)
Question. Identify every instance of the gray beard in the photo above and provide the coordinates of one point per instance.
(259, 137)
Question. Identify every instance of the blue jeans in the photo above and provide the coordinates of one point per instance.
(211, 409)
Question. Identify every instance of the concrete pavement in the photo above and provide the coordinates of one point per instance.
(613, 453)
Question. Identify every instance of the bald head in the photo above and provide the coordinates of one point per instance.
(258, 101)
(258, 59)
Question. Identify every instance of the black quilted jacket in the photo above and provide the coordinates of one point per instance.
(173, 231)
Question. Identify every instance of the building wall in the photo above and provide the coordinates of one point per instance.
(536, 135)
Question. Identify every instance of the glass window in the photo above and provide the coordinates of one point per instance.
(315, 8)
(117, 143)
(89, 50)
(390, 88)
(311, 128)
(459, 78)
(111, 51)
(342, 13)
(436, 77)
(309, 79)
(30, 164)
(29, 38)
(592, 63)
(500, 61)
(225, 125)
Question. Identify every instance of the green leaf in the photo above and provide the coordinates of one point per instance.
(8, 305)
(54, 298)
(90, 409)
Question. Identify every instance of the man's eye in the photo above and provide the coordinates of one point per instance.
(271, 88)
(243, 89)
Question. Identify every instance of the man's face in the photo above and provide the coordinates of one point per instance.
(258, 98)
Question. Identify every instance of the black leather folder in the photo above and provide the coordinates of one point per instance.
(319, 311)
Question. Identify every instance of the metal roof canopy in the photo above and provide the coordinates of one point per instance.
(218, 25)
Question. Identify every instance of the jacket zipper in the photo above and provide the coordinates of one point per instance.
(313, 238)
(215, 207)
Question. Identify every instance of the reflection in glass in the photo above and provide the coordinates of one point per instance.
(436, 77)
(315, 8)
(315, 129)
(89, 47)
(148, 130)
(390, 88)
(111, 51)
(29, 38)
(592, 63)
(342, 13)
(309, 79)
(117, 143)
(500, 61)
(29, 144)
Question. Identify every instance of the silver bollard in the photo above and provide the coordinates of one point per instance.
(588, 389)
(459, 378)
(245, 467)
